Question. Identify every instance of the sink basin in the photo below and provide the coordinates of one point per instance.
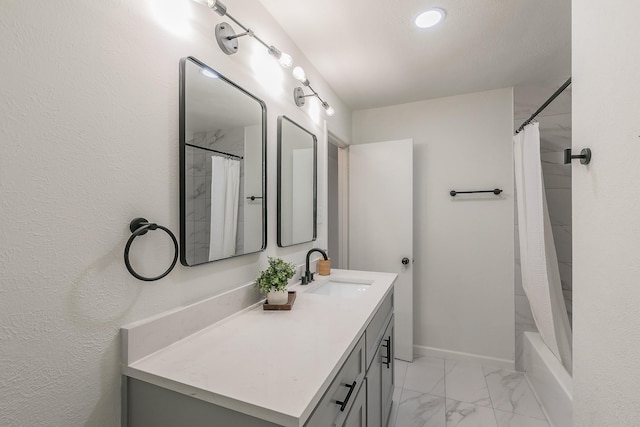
(342, 288)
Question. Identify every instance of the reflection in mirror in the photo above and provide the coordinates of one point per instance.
(297, 188)
(222, 167)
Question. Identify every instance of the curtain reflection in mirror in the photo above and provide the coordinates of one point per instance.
(225, 190)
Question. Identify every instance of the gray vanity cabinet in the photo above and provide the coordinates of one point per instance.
(387, 374)
(342, 394)
(380, 377)
(358, 396)
(358, 415)
(374, 391)
(380, 380)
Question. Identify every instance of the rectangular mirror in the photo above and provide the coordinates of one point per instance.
(297, 183)
(222, 167)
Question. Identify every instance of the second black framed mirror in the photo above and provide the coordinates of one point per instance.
(297, 183)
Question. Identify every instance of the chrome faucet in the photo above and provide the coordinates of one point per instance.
(308, 275)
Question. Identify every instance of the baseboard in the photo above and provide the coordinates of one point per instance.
(420, 350)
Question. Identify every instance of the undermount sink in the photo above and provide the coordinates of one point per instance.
(341, 288)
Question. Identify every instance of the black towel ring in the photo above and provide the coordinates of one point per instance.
(138, 227)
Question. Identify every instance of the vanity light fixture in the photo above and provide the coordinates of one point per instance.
(430, 18)
(298, 93)
(228, 39)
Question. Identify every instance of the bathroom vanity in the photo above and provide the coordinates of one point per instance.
(327, 362)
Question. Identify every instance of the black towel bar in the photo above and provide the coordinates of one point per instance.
(495, 191)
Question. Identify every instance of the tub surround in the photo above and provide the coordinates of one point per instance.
(274, 366)
(549, 379)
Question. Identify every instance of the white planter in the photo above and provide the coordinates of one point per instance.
(278, 297)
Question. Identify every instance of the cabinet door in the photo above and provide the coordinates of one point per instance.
(374, 391)
(342, 391)
(387, 376)
(358, 415)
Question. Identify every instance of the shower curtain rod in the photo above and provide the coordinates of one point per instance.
(547, 102)
(216, 151)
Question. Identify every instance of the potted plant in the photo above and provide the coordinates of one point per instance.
(273, 281)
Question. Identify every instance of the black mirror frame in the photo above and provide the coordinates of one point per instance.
(182, 159)
(315, 183)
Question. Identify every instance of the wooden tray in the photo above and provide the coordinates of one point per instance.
(287, 306)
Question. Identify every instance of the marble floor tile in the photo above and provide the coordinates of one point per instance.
(460, 414)
(465, 382)
(510, 392)
(400, 367)
(420, 410)
(508, 419)
(426, 375)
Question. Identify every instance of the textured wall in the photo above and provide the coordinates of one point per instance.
(463, 247)
(89, 134)
(606, 214)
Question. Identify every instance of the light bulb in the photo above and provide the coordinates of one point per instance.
(208, 73)
(218, 7)
(298, 74)
(328, 108)
(430, 18)
(286, 60)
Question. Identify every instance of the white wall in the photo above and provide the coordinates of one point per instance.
(463, 247)
(606, 214)
(89, 134)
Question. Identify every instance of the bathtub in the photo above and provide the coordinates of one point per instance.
(549, 379)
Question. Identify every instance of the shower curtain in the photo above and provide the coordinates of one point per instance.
(225, 191)
(540, 272)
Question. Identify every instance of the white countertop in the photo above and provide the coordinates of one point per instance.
(273, 365)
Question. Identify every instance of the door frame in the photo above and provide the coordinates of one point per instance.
(343, 197)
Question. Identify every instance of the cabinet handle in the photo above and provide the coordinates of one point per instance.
(387, 345)
(346, 399)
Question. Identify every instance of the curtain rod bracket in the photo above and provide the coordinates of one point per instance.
(584, 156)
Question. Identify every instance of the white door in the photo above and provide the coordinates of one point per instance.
(381, 224)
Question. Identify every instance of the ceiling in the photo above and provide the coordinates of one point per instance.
(372, 54)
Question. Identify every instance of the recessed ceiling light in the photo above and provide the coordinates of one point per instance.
(430, 18)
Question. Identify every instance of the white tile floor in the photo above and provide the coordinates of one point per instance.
(433, 392)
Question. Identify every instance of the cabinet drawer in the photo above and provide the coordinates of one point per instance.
(328, 409)
(375, 330)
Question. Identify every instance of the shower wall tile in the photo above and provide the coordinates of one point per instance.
(190, 231)
(556, 176)
(200, 188)
(190, 210)
(562, 239)
(566, 275)
(199, 164)
(201, 210)
(568, 301)
(201, 253)
(559, 204)
(201, 234)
